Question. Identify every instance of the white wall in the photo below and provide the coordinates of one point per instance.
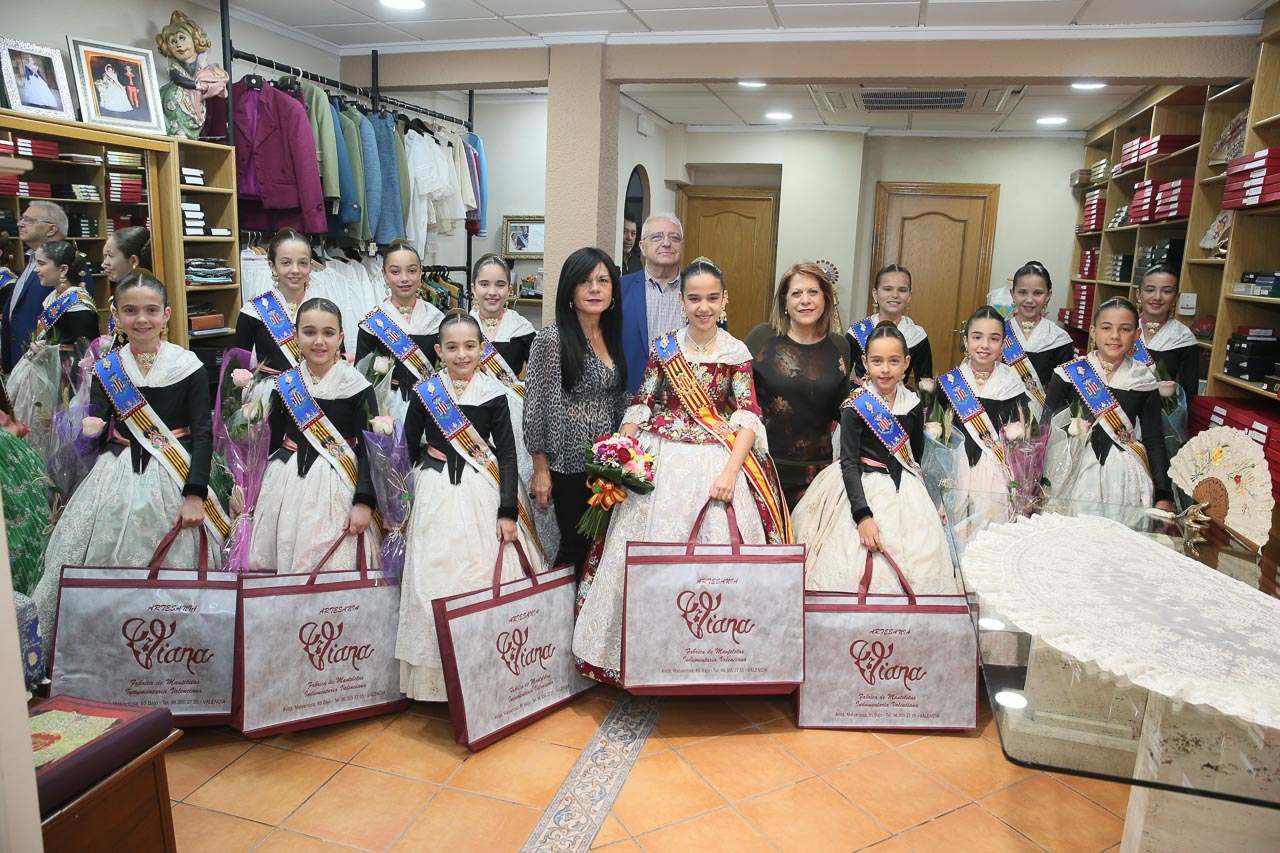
(648, 151)
(136, 23)
(821, 177)
(1037, 211)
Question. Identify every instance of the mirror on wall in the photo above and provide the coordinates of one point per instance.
(635, 207)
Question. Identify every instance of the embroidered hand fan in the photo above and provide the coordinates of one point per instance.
(1223, 469)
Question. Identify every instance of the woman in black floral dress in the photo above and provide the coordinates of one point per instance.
(801, 376)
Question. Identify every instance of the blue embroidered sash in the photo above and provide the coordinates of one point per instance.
(1104, 406)
(279, 326)
(492, 362)
(972, 413)
(1016, 357)
(1140, 353)
(884, 424)
(466, 440)
(397, 342)
(55, 309)
(318, 429)
(862, 330)
(151, 433)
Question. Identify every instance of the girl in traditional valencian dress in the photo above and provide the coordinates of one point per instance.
(1168, 347)
(504, 327)
(461, 487)
(404, 327)
(26, 503)
(317, 487)
(873, 499)
(47, 372)
(506, 340)
(892, 295)
(157, 445)
(266, 324)
(986, 395)
(1124, 466)
(1034, 345)
(697, 380)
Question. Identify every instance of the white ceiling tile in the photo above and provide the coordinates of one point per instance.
(436, 10)
(1164, 11)
(1001, 13)
(542, 7)
(359, 33)
(688, 108)
(851, 15)
(611, 22)
(952, 121)
(289, 12)
(723, 18)
(662, 88)
(479, 28)
(852, 118)
(744, 104)
(645, 5)
(773, 88)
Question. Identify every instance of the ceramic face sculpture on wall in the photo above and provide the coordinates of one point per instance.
(192, 79)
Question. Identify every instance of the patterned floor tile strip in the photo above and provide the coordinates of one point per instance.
(579, 809)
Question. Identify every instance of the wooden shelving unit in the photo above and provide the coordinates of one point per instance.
(162, 158)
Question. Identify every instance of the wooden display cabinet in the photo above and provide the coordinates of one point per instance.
(162, 158)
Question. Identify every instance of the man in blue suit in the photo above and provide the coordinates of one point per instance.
(651, 296)
(22, 301)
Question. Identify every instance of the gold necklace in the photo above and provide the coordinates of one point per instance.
(491, 324)
(1028, 326)
(459, 386)
(702, 349)
(146, 360)
(406, 311)
(1106, 365)
(981, 376)
(1151, 328)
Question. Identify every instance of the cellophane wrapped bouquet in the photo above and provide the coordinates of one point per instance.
(1025, 441)
(393, 484)
(242, 437)
(619, 464)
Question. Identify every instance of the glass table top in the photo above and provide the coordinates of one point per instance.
(1055, 713)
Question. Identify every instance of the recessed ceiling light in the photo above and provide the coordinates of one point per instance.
(409, 5)
(1051, 120)
(752, 84)
(1088, 85)
(777, 116)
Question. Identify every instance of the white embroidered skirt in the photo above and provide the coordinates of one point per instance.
(451, 548)
(910, 532)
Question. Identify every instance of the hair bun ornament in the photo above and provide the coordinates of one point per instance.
(830, 270)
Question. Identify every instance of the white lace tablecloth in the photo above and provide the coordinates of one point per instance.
(1115, 599)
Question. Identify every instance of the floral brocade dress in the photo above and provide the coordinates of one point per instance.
(687, 459)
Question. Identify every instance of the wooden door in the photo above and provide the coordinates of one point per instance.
(737, 229)
(943, 233)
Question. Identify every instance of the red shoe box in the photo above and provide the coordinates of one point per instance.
(1144, 196)
(1167, 143)
(1269, 181)
(1268, 158)
(1241, 200)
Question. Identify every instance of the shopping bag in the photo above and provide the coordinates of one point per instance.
(507, 652)
(152, 637)
(712, 619)
(888, 661)
(316, 648)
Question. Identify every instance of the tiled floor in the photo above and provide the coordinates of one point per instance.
(722, 775)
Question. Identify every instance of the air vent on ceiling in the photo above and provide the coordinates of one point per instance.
(915, 100)
(982, 100)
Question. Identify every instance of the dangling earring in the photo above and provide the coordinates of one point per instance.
(875, 305)
(612, 302)
(164, 333)
(684, 318)
(275, 276)
(62, 278)
(571, 308)
(724, 313)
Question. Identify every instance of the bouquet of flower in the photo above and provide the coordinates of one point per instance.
(1024, 448)
(616, 461)
(393, 484)
(1173, 407)
(241, 435)
(77, 432)
(380, 370)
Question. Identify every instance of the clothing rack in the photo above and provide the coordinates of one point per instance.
(375, 98)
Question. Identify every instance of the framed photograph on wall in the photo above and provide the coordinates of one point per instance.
(117, 85)
(523, 237)
(34, 79)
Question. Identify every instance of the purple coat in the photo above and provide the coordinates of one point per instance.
(277, 172)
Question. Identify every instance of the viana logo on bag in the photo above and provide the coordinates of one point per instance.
(871, 657)
(148, 641)
(516, 653)
(320, 640)
(699, 611)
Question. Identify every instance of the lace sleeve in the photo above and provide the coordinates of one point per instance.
(641, 408)
(746, 414)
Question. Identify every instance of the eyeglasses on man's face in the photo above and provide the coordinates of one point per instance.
(663, 238)
(27, 220)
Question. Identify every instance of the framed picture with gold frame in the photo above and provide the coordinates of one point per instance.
(523, 237)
